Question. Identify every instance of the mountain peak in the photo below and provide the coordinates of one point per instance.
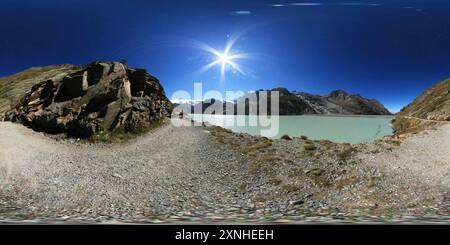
(338, 93)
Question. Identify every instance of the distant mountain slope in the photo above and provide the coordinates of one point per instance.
(13, 87)
(427, 110)
(340, 102)
(299, 103)
(290, 103)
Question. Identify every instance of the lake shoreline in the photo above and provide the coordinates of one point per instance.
(343, 129)
(313, 115)
(366, 178)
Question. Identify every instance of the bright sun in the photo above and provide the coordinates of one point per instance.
(223, 59)
(226, 60)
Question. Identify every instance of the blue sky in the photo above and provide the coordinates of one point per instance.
(387, 50)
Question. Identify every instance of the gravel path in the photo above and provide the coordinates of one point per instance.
(184, 173)
(159, 173)
(424, 157)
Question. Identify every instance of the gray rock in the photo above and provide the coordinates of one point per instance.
(102, 96)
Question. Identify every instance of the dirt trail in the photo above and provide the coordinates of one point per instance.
(161, 172)
(422, 119)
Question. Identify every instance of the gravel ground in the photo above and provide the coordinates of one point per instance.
(424, 157)
(208, 174)
(155, 175)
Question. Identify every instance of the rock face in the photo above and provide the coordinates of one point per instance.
(290, 103)
(13, 87)
(102, 96)
(429, 109)
(299, 103)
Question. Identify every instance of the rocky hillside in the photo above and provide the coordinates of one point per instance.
(427, 110)
(13, 87)
(340, 102)
(99, 97)
(299, 103)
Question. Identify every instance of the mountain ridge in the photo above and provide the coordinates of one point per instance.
(431, 108)
(295, 103)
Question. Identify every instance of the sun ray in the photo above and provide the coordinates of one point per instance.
(236, 67)
(208, 66)
(207, 48)
(240, 56)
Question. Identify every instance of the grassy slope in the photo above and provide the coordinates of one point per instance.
(426, 110)
(13, 87)
(433, 104)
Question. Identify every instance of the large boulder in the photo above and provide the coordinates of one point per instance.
(102, 96)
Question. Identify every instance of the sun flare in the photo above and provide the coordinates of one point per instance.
(223, 59)
(226, 60)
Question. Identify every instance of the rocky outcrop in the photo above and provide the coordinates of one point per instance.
(13, 87)
(102, 96)
(430, 109)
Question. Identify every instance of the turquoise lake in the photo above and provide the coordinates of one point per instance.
(349, 129)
